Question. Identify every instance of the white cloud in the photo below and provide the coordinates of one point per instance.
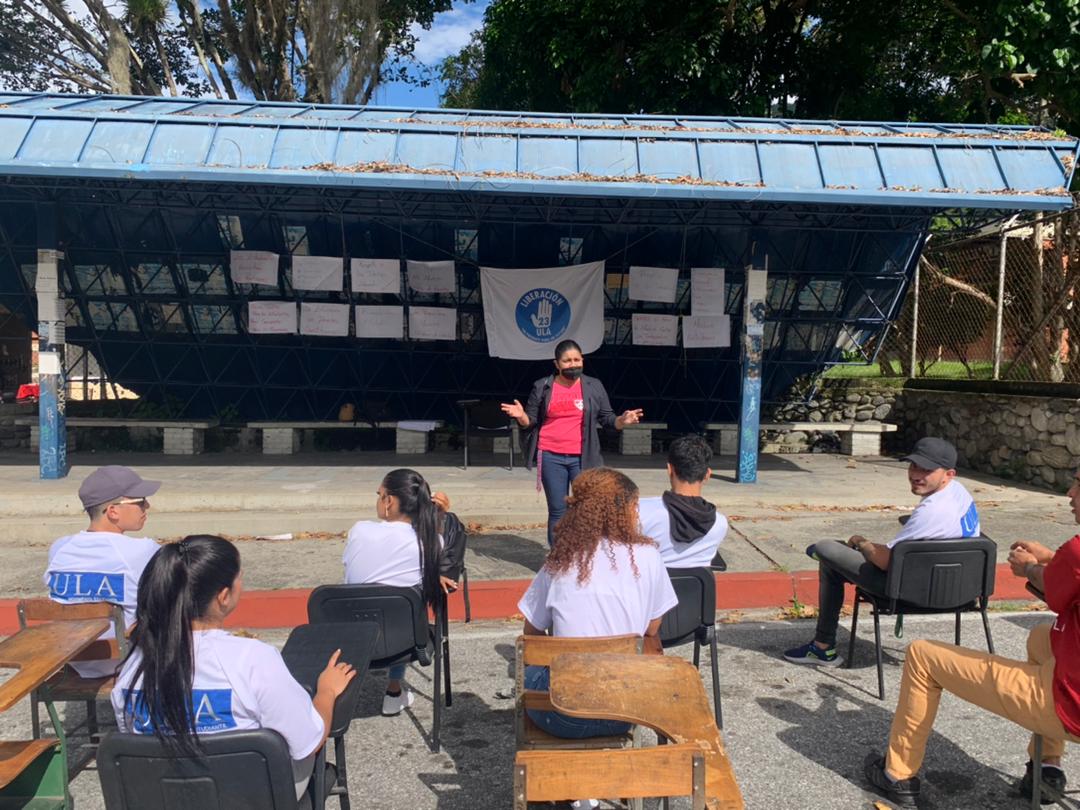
(449, 33)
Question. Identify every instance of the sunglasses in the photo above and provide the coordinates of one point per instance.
(142, 503)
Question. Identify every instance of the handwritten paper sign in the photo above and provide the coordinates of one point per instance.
(706, 331)
(655, 330)
(321, 273)
(432, 323)
(706, 290)
(380, 322)
(654, 284)
(271, 317)
(326, 320)
(431, 277)
(376, 276)
(253, 267)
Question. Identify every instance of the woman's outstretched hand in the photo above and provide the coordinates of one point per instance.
(513, 409)
(632, 416)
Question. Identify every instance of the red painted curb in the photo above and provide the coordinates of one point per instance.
(497, 599)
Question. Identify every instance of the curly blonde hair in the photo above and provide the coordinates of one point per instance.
(604, 505)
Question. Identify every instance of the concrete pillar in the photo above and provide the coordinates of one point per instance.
(280, 441)
(183, 441)
(411, 442)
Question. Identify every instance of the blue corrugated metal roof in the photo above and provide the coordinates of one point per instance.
(760, 159)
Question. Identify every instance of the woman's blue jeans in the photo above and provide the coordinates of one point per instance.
(557, 472)
(559, 725)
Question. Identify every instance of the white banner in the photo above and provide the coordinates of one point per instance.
(272, 317)
(323, 273)
(326, 320)
(431, 277)
(432, 323)
(528, 311)
(253, 267)
(380, 322)
(654, 284)
(707, 290)
(706, 331)
(655, 330)
(376, 276)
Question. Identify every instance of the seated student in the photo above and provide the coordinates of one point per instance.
(402, 549)
(1041, 694)
(945, 511)
(602, 577)
(687, 528)
(186, 676)
(100, 564)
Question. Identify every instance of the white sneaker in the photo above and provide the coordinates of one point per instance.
(393, 704)
(585, 804)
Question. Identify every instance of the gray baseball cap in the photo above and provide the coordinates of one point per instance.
(106, 484)
(932, 453)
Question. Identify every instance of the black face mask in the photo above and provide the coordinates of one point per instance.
(571, 373)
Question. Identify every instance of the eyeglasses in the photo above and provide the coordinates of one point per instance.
(142, 503)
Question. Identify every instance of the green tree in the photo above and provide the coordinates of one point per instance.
(317, 50)
(970, 60)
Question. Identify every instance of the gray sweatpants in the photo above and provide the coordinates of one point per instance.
(839, 565)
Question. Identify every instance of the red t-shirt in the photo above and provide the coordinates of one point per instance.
(1062, 580)
(561, 430)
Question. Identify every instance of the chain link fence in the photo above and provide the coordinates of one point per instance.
(1001, 304)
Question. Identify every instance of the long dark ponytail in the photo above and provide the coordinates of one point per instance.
(176, 588)
(414, 498)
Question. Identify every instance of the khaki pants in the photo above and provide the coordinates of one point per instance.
(1021, 692)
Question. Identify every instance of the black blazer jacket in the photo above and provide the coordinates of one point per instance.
(597, 414)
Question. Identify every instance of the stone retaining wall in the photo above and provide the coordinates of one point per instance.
(1027, 438)
(832, 401)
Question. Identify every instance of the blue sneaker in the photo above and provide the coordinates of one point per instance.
(813, 654)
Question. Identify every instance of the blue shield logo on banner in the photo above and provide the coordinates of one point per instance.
(543, 314)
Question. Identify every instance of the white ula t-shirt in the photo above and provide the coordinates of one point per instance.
(656, 523)
(98, 567)
(239, 683)
(611, 602)
(947, 514)
(384, 553)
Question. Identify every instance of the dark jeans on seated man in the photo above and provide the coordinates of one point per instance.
(841, 564)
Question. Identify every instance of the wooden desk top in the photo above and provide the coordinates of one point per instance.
(39, 651)
(662, 692)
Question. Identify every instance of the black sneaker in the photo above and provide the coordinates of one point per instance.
(1053, 777)
(904, 792)
(718, 563)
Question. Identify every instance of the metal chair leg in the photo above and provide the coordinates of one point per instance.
(958, 628)
(35, 715)
(715, 662)
(446, 654)
(986, 627)
(91, 719)
(851, 639)
(1036, 774)
(343, 777)
(466, 438)
(877, 655)
(465, 594)
(697, 653)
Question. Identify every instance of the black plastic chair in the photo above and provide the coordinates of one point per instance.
(931, 576)
(486, 417)
(694, 619)
(405, 634)
(239, 770)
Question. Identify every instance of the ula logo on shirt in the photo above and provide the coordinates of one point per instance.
(86, 586)
(542, 314)
(212, 710)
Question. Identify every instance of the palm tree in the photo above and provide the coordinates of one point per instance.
(146, 18)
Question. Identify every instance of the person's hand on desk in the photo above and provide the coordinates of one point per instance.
(336, 677)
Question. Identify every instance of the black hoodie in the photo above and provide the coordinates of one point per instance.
(692, 517)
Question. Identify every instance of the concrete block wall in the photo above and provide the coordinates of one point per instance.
(411, 442)
(183, 441)
(280, 441)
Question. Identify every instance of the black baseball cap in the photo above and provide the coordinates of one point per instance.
(106, 484)
(932, 453)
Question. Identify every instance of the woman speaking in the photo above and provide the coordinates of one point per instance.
(563, 415)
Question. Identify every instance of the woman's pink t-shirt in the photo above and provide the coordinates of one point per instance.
(561, 430)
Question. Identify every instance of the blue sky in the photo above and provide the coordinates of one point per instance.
(448, 34)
